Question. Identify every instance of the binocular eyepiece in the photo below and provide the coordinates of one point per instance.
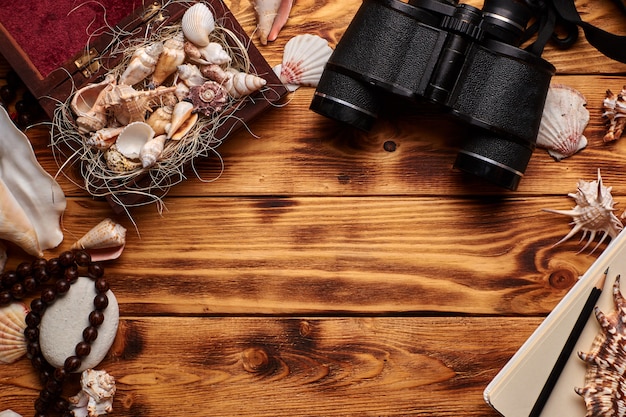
(463, 58)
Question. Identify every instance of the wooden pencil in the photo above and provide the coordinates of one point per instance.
(568, 347)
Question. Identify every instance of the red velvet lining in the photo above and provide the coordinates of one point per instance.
(52, 31)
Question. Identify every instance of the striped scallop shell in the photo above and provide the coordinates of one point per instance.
(197, 23)
(12, 325)
(304, 59)
(604, 392)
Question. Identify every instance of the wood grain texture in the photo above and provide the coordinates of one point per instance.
(329, 272)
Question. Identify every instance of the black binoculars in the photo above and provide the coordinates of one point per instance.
(466, 59)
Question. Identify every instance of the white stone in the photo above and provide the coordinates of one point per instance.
(63, 323)
(9, 413)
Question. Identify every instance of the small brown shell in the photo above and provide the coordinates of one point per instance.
(208, 98)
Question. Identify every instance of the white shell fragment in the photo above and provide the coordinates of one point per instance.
(105, 241)
(12, 325)
(565, 117)
(197, 23)
(132, 138)
(271, 16)
(31, 201)
(604, 391)
(96, 395)
(303, 62)
(62, 326)
(593, 212)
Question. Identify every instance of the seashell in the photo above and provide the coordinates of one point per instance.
(197, 23)
(132, 138)
(118, 163)
(271, 16)
(565, 117)
(103, 138)
(12, 324)
(604, 387)
(242, 84)
(181, 112)
(31, 201)
(142, 64)
(152, 150)
(103, 242)
(190, 75)
(215, 73)
(87, 105)
(615, 113)
(185, 127)
(214, 53)
(96, 395)
(593, 212)
(208, 98)
(160, 118)
(303, 62)
(182, 91)
(172, 56)
(130, 105)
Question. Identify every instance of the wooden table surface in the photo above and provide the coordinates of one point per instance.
(329, 272)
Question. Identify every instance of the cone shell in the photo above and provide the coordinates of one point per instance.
(142, 64)
(565, 117)
(242, 84)
(104, 241)
(152, 150)
(304, 59)
(12, 325)
(197, 23)
(132, 138)
(181, 113)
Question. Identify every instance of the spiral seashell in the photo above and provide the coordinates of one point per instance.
(132, 138)
(130, 105)
(303, 61)
(214, 53)
(181, 112)
(142, 64)
(87, 104)
(118, 163)
(215, 73)
(242, 84)
(152, 150)
(197, 23)
(12, 324)
(96, 395)
(103, 242)
(172, 56)
(208, 98)
(615, 112)
(160, 118)
(103, 138)
(190, 75)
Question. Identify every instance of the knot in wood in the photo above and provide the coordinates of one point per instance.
(562, 279)
(255, 360)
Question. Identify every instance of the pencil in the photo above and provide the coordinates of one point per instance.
(569, 346)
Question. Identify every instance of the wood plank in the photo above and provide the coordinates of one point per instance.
(299, 366)
(340, 255)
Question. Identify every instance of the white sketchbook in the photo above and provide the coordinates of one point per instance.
(515, 388)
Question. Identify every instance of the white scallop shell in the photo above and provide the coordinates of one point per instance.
(12, 325)
(107, 235)
(132, 138)
(565, 117)
(197, 23)
(304, 59)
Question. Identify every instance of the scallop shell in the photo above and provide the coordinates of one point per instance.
(593, 212)
(12, 325)
(615, 113)
(132, 138)
(197, 23)
(604, 392)
(31, 201)
(565, 117)
(304, 59)
(242, 84)
(208, 98)
(271, 16)
(96, 395)
(104, 138)
(172, 56)
(182, 111)
(105, 241)
(142, 63)
(152, 150)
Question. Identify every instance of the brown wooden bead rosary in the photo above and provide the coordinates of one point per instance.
(54, 278)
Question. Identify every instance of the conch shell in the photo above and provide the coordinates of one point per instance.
(271, 16)
(105, 241)
(31, 201)
(87, 104)
(172, 56)
(130, 105)
(242, 84)
(96, 395)
(615, 113)
(142, 64)
(197, 23)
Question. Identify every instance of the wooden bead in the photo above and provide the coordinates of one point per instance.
(48, 295)
(83, 349)
(72, 363)
(96, 318)
(102, 286)
(66, 258)
(101, 301)
(62, 286)
(90, 334)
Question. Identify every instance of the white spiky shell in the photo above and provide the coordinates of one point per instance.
(96, 395)
(565, 117)
(242, 84)
(132, 138)
(152, 150)
(593, 212)
(303, 61)
(142, 64)
(197, 23)
(105, 241)
(12, 325)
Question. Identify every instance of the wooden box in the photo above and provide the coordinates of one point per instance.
(59, 46)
